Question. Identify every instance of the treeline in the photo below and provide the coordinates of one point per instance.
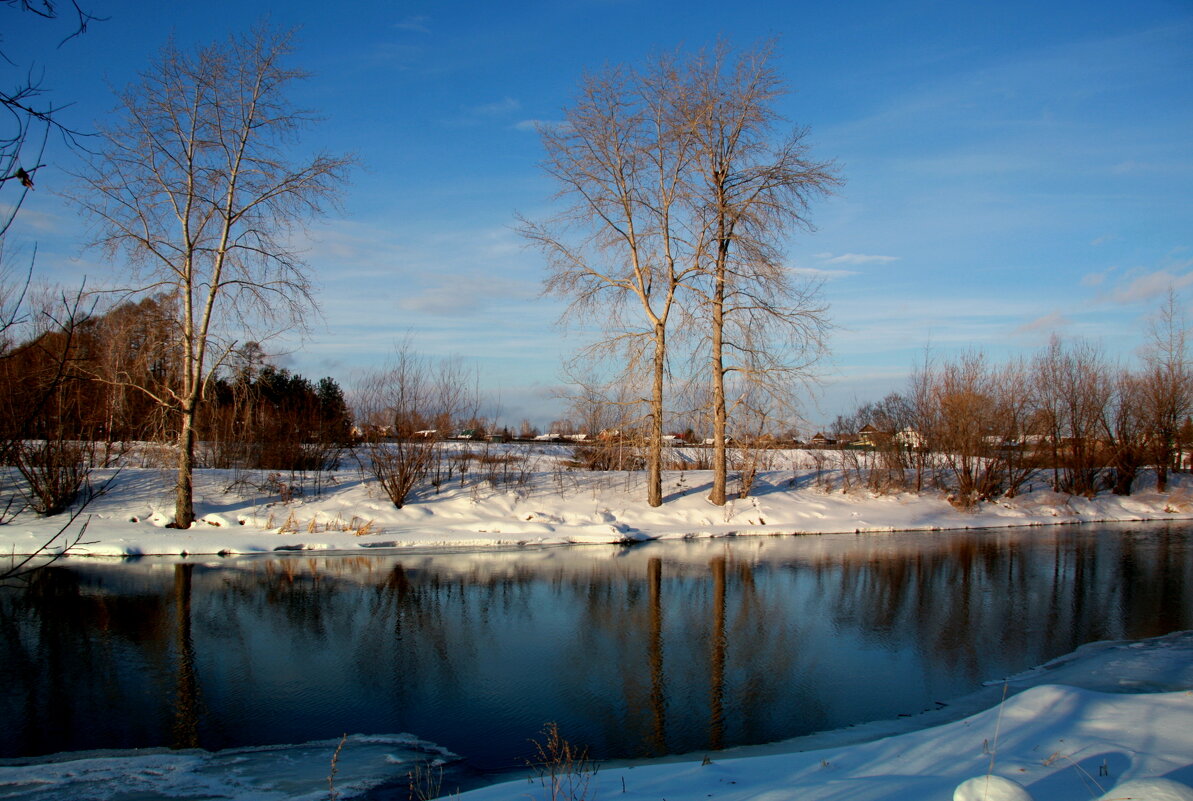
(86, 384)
(1067, 416)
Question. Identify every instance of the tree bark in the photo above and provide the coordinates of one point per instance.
(720, 414)
(654, 467)
(184, 503)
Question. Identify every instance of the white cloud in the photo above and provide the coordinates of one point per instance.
(1151, 285)
(856, 258)
(813, 272)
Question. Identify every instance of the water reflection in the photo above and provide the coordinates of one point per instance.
(186, 699)
(663, 648)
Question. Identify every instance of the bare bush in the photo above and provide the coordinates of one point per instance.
(400, 411)
(619, 454)
(749, 458)
(398, 466)
(56, 472)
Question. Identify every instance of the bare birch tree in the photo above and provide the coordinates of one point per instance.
(751, 186)
(620, 248)
(194, 186)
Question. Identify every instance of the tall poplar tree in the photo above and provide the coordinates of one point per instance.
(195, 186)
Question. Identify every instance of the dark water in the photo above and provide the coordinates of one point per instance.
(662, 648)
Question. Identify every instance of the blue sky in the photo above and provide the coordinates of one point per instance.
(1012, 170)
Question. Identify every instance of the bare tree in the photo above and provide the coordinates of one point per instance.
(1073, 391)
(921, 415)
(1167, 386)
(966, 400)
(750, 186)
(1124, 427)
(620, 249)
(1017, 415)
(194, 187)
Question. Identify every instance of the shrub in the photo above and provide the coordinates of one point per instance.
(398, 466)
(56, 472)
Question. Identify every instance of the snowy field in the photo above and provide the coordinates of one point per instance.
(1074, 729)
(533, 500)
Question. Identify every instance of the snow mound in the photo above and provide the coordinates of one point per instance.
(990, 788)
(1149, 790)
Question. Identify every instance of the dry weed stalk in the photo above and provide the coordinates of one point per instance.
(357, 525)
(425, 782)
(563, 768)
(288, 527)
(332, 795)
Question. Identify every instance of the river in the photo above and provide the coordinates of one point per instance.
(659, 648)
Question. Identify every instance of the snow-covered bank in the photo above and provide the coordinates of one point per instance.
(252, 512)
(1071, 730)
(1060, 743)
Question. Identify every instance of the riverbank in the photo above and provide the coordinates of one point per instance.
(243, 512)
(1070, 730)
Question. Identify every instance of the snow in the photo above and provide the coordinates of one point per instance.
(1149, 790)
(265, 773)
(990, 787)
(539, 502)
(1099, 721)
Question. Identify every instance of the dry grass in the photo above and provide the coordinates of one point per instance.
(562, 768)
(356, 525)
(425, 782)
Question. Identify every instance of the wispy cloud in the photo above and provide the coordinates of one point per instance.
(31, 218)
(855, 258)
(464, 296)
(417, 24)
(815, 272)
(1046, 324)
(1152, 285)
(504, 106)
(1097, 279)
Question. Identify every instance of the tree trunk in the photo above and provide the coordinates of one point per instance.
(654, 456)
(184, 503)
(720, 415)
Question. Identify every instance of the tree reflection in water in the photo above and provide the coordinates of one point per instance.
(662, 648)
